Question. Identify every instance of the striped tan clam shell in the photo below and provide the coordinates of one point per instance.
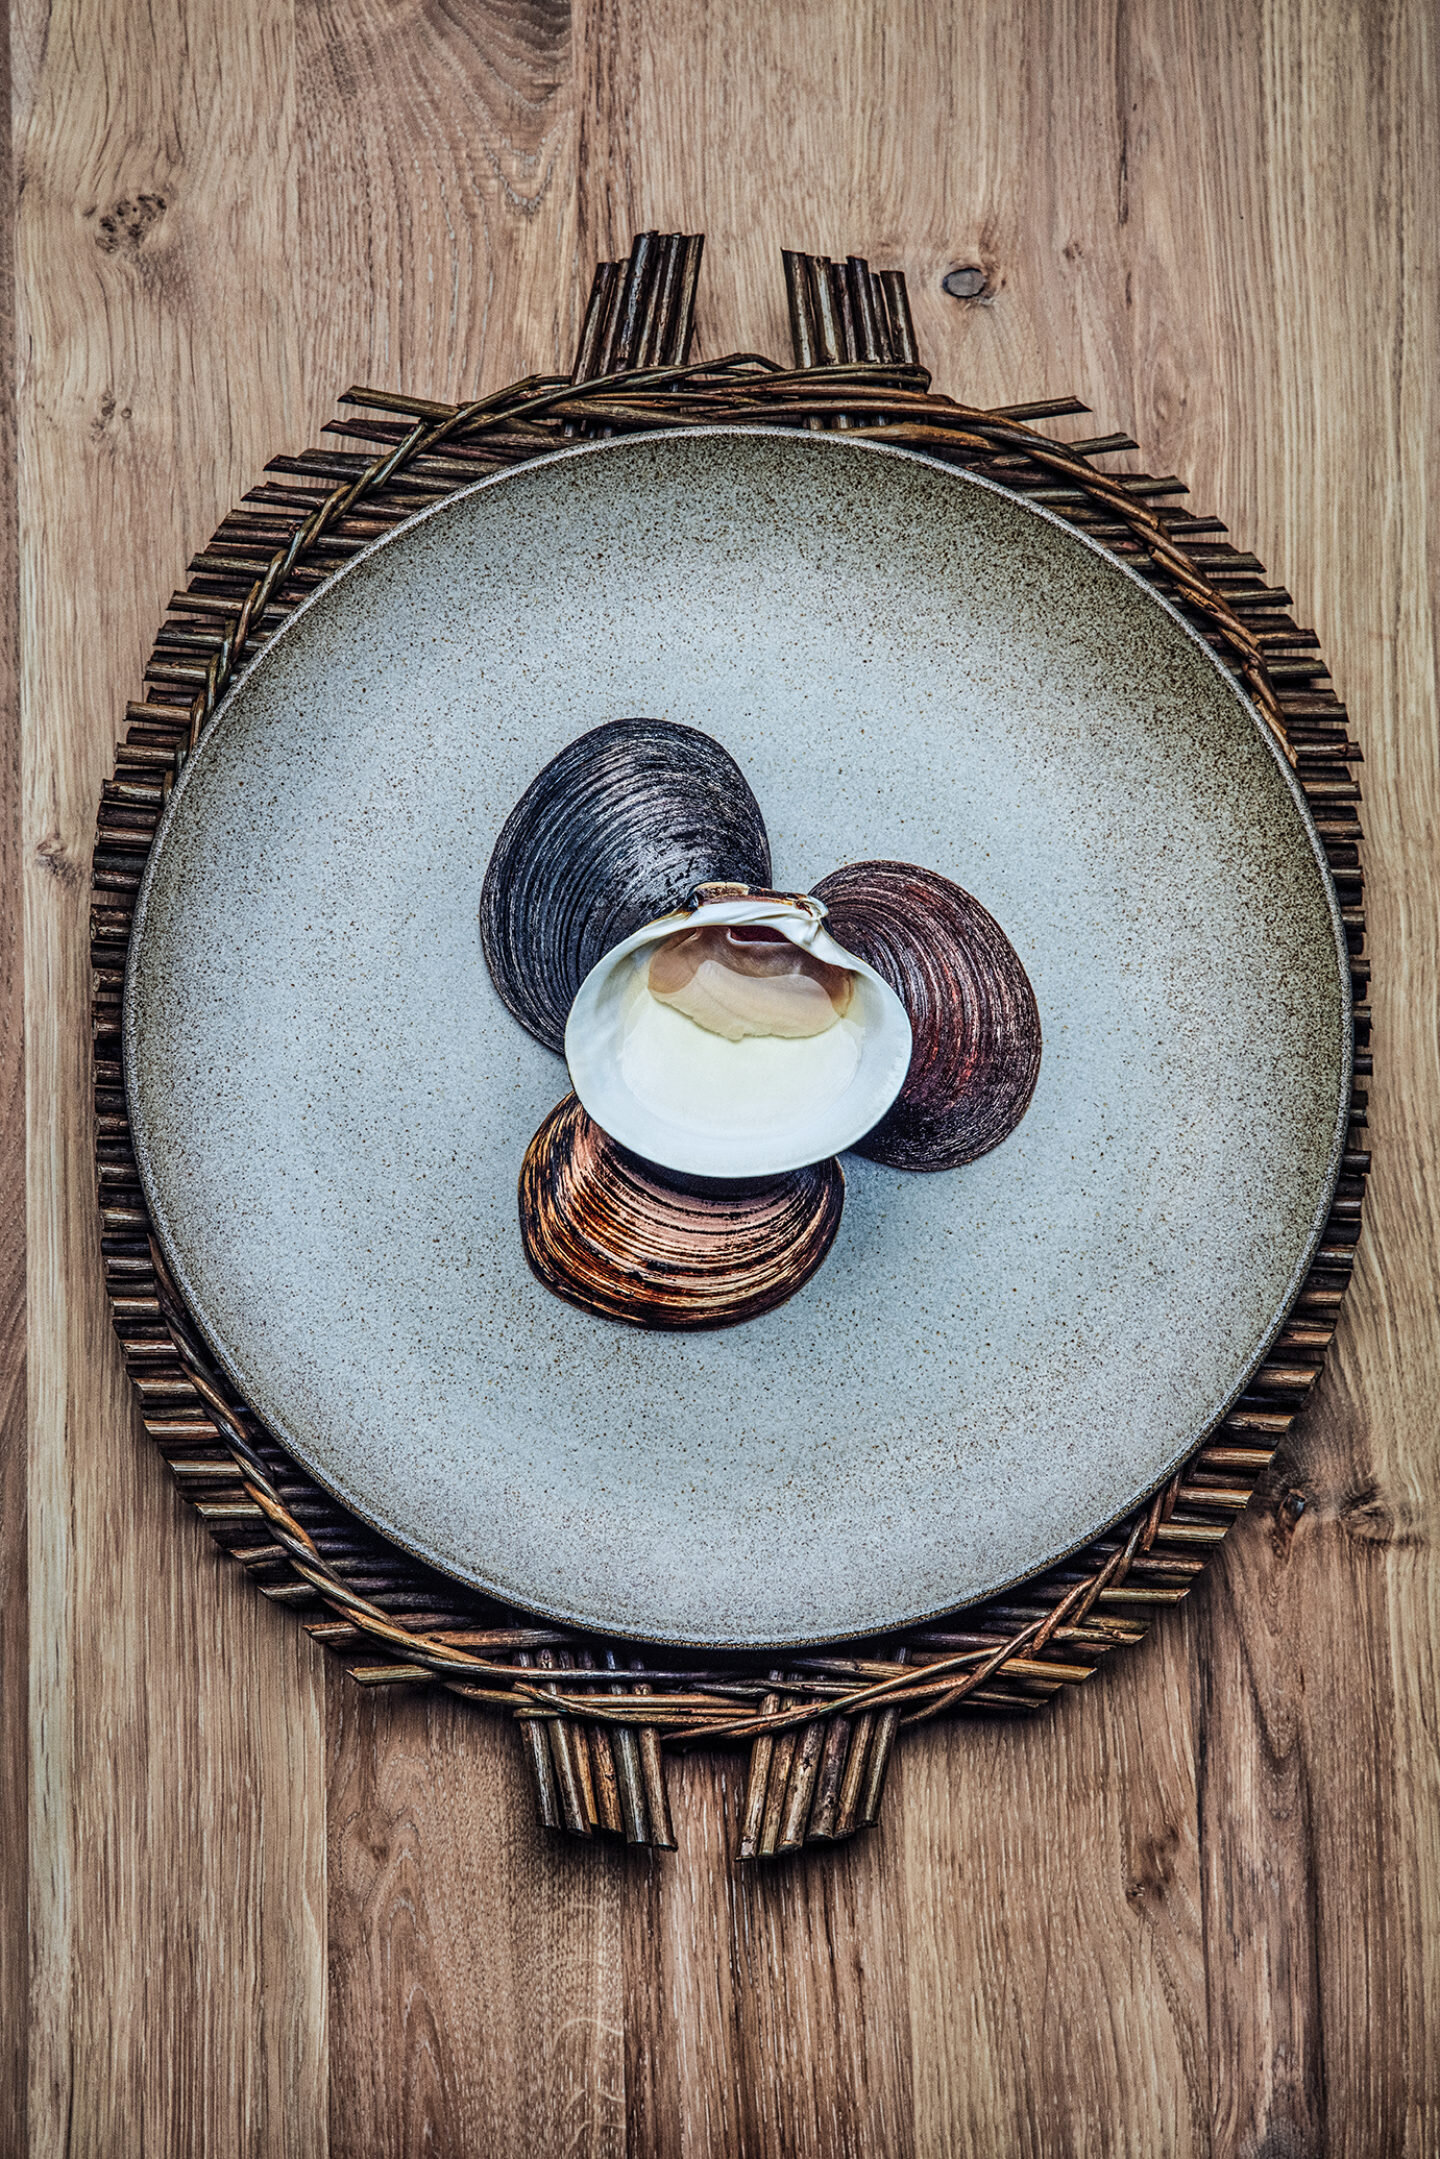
(617, 1237)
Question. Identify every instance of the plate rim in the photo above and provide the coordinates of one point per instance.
(825, 442)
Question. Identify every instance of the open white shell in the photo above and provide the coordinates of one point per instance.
(697, 1103)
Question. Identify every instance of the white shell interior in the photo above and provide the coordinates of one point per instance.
(692, 1101)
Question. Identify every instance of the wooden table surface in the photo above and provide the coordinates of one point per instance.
(1195, 1910)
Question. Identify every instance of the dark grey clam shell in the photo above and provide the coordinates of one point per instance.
(972, 1011)
(619, 1238)
(617, 829)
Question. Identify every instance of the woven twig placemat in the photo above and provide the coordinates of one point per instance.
(593, 1713)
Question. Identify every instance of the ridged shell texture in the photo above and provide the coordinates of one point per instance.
(607, 1232)
(617, 830)
(972, 1011)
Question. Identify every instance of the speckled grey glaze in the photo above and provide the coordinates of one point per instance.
(330, 1104)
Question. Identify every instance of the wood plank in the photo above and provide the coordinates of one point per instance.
(14, 1617)
(177, 1811)
(1163, 189)
(1055, 1966)
(1040, 2022)
(1321, 1809)
(464, 278)
(476, 1995)
(766, 2009)
(435, 195)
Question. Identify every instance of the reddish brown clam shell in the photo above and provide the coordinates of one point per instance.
(611, 1233)
(972, 1011)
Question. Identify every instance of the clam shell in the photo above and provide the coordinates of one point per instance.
(611, 1234)
(744, 1113)
(617, 829)
(972, 1011)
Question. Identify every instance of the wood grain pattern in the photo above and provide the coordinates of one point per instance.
(1195, 1911)
(178, 1941)
(14, 1630)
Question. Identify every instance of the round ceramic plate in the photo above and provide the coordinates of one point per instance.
(330, 1104)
